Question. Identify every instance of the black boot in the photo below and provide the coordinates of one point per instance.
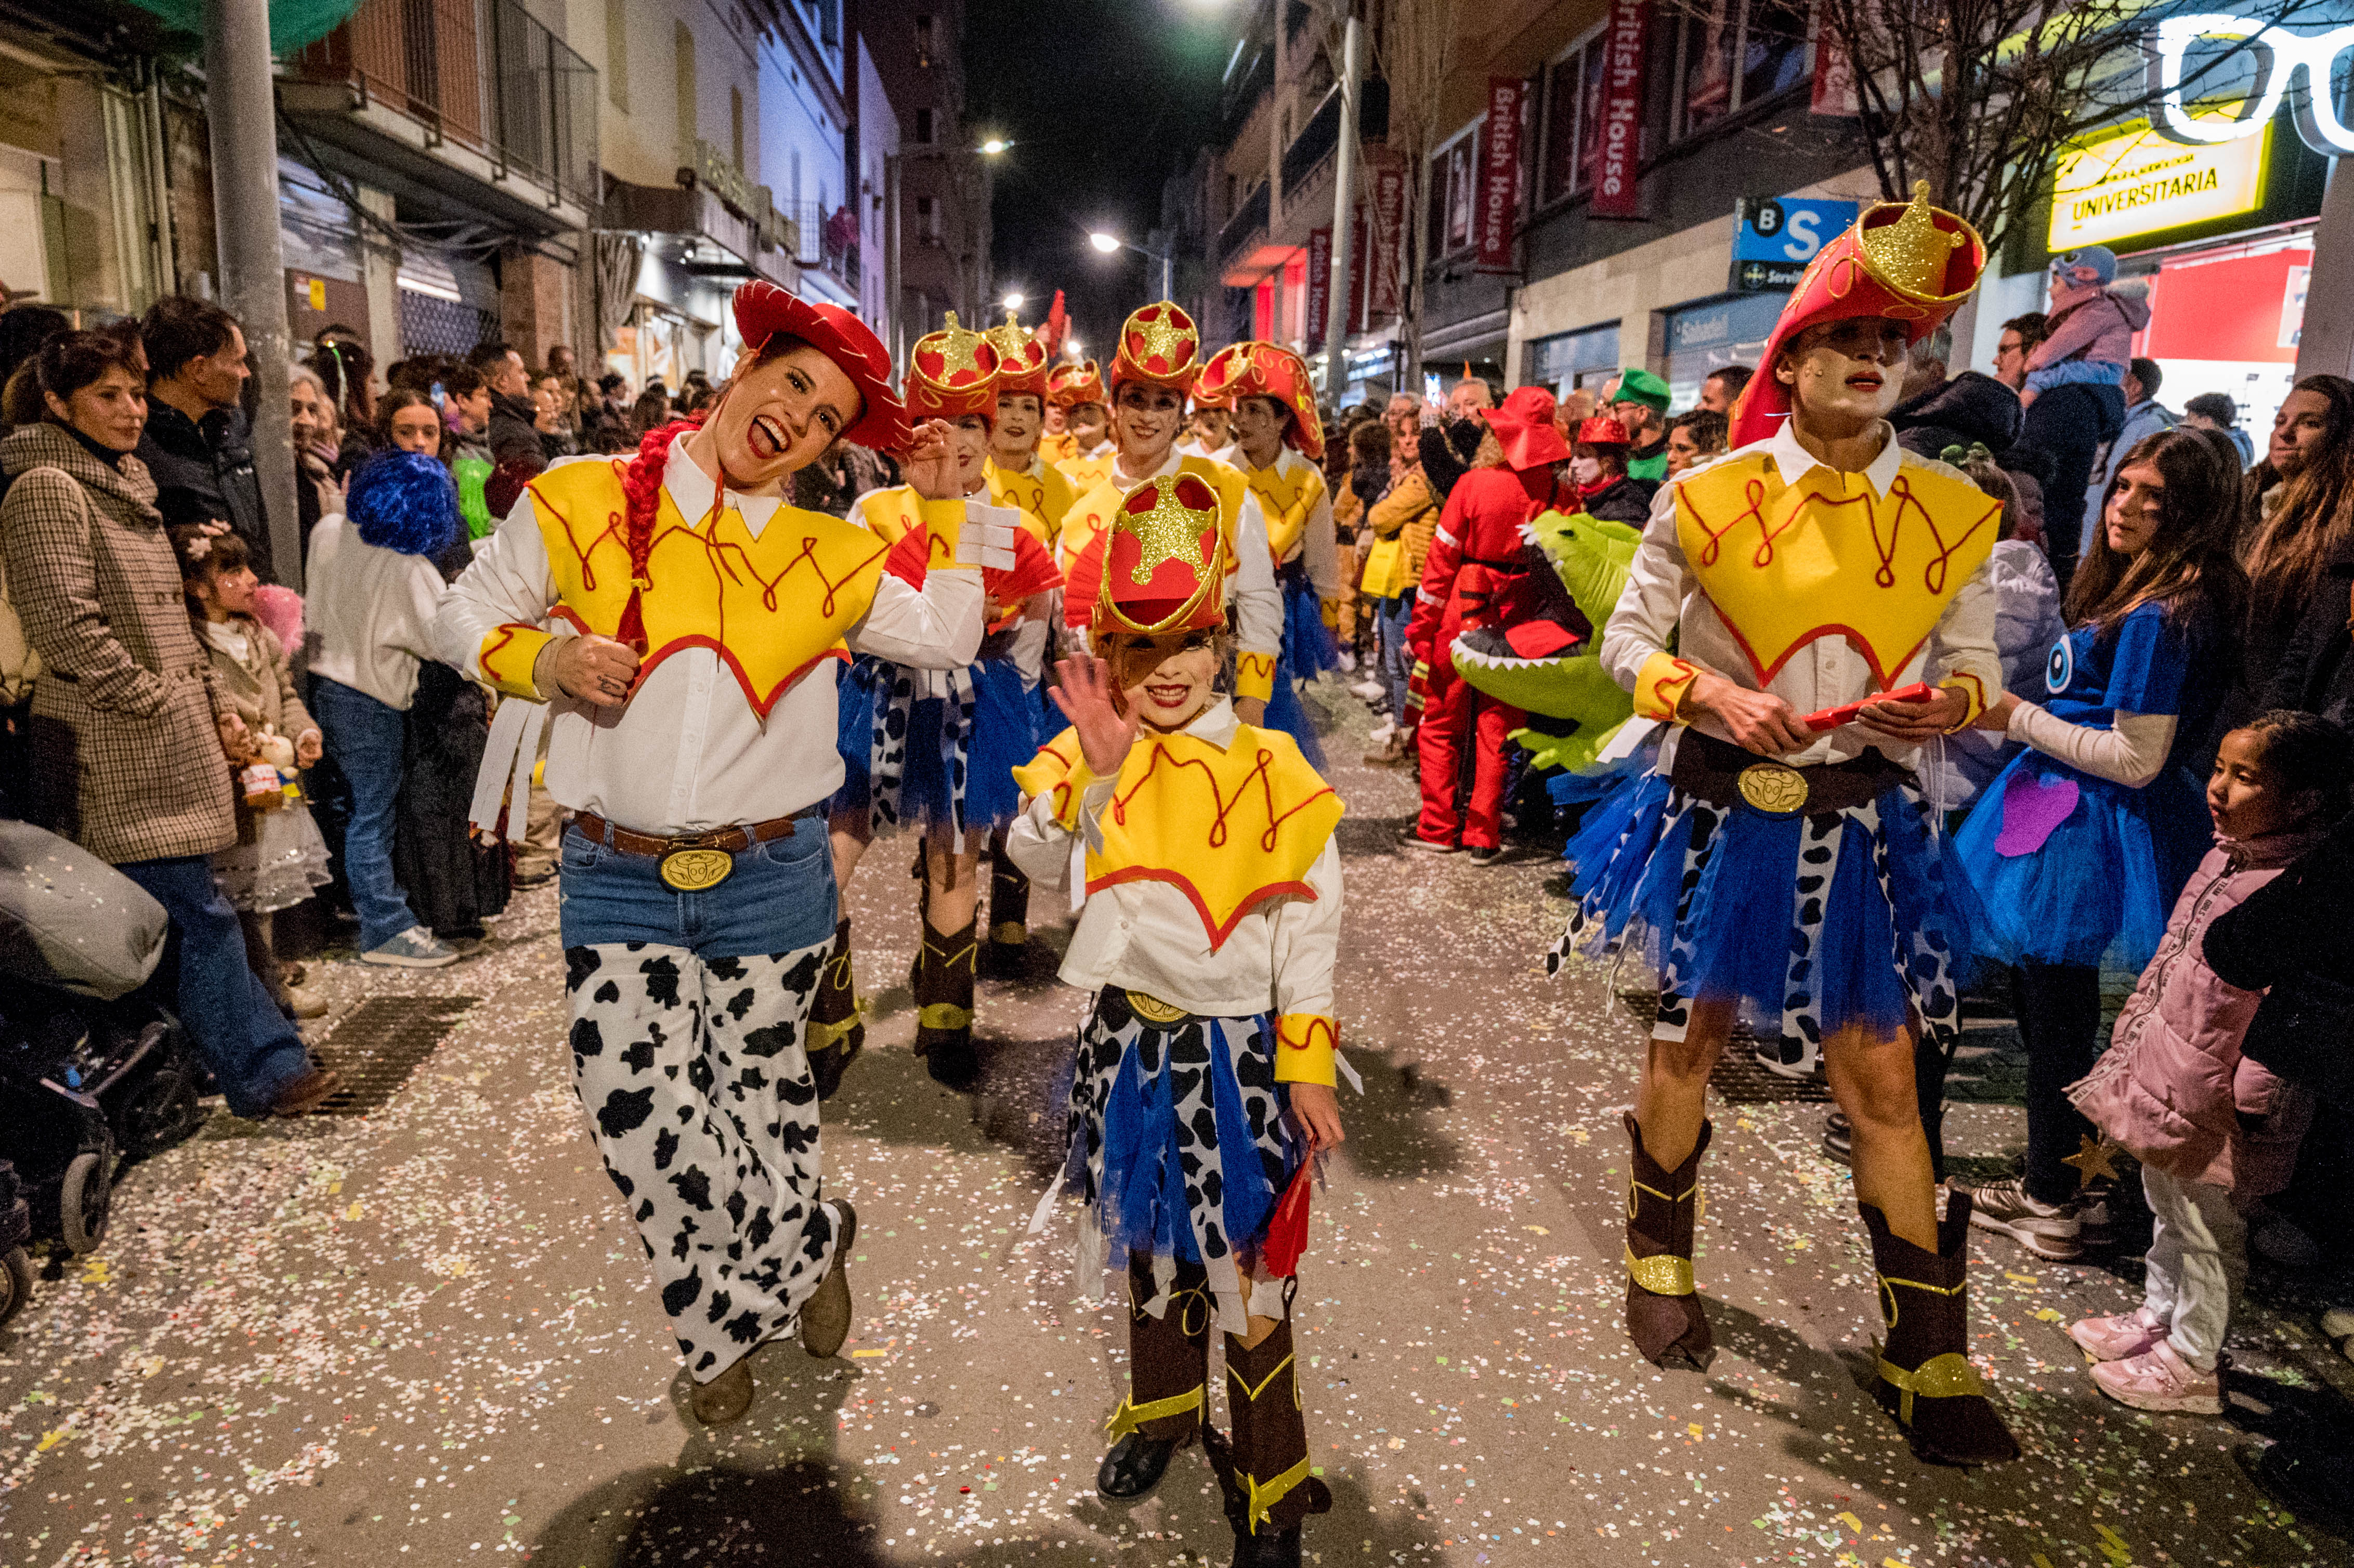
(836, 1031)
(1009, 913)
(1169, 1374)
(1664, 1316)
(943, 986)
(1925, 1378)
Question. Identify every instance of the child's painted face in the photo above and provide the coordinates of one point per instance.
(224, 594)
(1167, 681)
(2247, 799)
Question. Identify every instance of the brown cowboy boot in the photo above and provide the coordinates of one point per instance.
(836, 1031)
(943, 986)
(1664, 1316)
(1926, 1380)
(1168, 1374)
(1263, 1469)
(1009, 912)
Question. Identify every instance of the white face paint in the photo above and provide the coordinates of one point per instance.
(1585, 470)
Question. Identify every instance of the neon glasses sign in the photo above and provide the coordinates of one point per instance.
(2280, 57)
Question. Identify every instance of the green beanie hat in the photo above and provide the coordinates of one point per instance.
(1642, 386)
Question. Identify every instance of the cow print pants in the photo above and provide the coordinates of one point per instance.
(699, 1096)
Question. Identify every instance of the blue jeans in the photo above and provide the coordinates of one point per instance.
(1390, 616)
(365, 737)
(236, 1029)
(780, 896)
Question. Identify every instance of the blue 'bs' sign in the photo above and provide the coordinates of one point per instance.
(1774, 238)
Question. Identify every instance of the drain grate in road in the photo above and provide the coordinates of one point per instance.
(1742, 1082)
(380, 1042)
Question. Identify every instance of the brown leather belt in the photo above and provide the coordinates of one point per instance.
(694, 862)
(1723, 774)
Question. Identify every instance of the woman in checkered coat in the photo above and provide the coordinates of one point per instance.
(132, 741)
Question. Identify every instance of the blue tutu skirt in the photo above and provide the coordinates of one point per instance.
(1176, 1142)
(1306, 640)
(879, 711)
(1287, 712)
(2102, 885)
(1808, 924)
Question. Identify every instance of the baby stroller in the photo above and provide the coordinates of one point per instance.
(93, 1072)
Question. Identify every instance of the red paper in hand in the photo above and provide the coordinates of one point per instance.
(1287, 1232)
(1831, 718)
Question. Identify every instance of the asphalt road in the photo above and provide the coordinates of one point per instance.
(428, 1335)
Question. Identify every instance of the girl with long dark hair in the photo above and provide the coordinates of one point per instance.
(2078, 848)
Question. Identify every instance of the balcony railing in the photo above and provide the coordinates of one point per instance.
(829, 241)
(481, 73)
(1249, 218)
(1322, 134)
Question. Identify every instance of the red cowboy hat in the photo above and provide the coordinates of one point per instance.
(1524, 427)
(763, 309)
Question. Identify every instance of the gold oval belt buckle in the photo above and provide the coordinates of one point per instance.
(695, 870)
(1152, 1009)
(1773, 788)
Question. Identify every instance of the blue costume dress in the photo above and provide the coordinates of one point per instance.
(2071, 868)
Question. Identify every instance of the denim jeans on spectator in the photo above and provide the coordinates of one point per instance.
(364, 736)
(238, 1030)
(1390, 616)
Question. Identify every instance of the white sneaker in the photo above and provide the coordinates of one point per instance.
(1369, 689)
(1347, 659)
(415, 948)
(1380, 734)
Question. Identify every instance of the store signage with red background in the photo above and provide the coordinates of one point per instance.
(1615, 187)
(1357, 258)
(1319, 285)
(2242, 309)
(1499, 174)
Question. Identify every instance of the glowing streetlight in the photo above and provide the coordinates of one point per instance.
(995, 145)
(1013, 301)
(1107, 243)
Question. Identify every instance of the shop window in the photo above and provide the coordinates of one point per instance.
(1572, 115)
(1732, 54)
(1452, 171)
(924, 126)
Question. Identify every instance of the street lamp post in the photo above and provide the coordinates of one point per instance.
(1111, 244)
(895, 228)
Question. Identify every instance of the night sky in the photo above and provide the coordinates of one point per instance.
(1104, 98)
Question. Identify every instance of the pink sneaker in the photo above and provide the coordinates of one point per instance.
(2115, 1338)
(2161, 1381)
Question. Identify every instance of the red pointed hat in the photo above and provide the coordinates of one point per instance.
(1068, 386)
(952, 373)
(1158, 566)
(1524, 427)
(1159, 344)
(1907, 262)
(1266, 370)
(764, 309)
(1602, 430)
(1021, 357)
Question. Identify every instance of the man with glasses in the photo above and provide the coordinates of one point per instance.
(2019, 336)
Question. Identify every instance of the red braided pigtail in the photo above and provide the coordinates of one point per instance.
(641, 482)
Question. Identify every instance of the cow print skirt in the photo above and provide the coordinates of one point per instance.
(1177, 1143)
(699, 1096)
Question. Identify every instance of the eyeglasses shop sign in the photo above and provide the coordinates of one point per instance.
(2137, 182)
(2210, 51)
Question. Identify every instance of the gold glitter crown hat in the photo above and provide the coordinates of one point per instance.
(952, 373)
(1255, 369)
(1158, 344)
(1905, 261)
(1070, 384)
(1021, 357)
(1158, 566)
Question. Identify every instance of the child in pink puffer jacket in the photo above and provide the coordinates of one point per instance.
(2214, 1130)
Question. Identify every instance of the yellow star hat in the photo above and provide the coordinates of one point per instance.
(1158, 566)
(1021, 357)
(1159, 345)
(952, 373)
(1266, 370)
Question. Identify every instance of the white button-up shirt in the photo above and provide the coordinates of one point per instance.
(1663, 598)
(1148, 935)
(688, 754)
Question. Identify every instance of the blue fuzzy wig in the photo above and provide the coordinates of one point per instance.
(405, 501)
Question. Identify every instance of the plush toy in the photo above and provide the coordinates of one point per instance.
(1543, 669)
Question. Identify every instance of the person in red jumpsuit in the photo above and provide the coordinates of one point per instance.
(1480, 572)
